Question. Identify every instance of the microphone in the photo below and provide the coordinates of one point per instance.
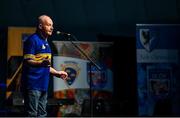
(63, 33)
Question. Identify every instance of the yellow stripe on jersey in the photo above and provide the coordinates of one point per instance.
(29, 56)
(38, 57)
(43, 56)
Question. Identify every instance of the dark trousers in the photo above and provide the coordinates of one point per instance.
(35, 102)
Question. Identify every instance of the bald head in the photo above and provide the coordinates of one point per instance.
(43, 18)
(45, 25)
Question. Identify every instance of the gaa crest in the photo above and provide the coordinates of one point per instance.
(72, 70)
(98, 78)
(148, 39)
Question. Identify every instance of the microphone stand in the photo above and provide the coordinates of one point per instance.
(90, 66)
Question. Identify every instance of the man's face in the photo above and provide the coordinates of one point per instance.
(47, 26)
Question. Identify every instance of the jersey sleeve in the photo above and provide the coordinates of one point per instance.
(29, 49)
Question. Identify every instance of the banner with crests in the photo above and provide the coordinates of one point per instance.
(157, 69)
(71, 60)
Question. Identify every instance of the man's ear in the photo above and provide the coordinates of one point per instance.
(40, 26)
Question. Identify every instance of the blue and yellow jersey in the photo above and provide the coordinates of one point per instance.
(36, 78)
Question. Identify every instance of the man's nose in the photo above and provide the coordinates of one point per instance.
(52, 28)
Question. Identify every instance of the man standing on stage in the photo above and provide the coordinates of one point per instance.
(37, 68)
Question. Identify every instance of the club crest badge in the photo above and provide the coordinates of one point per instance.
(148, 39)
(43, 46)
(72, 70)
(99, 78)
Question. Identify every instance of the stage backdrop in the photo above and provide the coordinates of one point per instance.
(158, 69)
(15, 38)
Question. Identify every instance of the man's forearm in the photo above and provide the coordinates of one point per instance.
(60, 74)
(53, 71)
